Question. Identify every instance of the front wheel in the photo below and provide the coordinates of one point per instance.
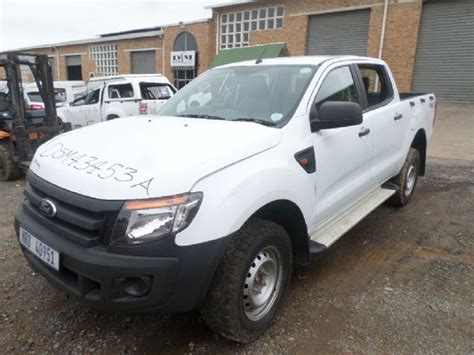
(250, 282)
(8, 169)
(406, 180)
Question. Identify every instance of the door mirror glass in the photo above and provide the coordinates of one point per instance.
(336, 114)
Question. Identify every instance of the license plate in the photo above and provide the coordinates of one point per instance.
(44, 252)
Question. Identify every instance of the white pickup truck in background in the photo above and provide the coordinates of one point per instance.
(248, 169)
(118, 96)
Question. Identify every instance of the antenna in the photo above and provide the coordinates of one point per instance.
(259, 59)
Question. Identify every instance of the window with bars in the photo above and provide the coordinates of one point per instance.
(236, 26)
(105, 56)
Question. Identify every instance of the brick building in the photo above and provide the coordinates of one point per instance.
(429, 45)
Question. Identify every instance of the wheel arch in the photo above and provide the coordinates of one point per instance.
(112, 116)
(420, 143)
(288, 215)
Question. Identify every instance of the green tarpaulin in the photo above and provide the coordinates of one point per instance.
(234, 55)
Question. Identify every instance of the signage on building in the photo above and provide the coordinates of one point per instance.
(183, 59)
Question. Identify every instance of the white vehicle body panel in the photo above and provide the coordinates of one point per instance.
(240, 167)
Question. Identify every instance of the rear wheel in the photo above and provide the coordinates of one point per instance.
(406, 180)
(250, 283)
(8, 169)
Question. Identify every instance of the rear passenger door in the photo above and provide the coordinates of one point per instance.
(388, 120)
(343, 155)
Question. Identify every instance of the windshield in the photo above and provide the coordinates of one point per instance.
(266, 94)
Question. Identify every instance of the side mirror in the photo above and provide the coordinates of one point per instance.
(335, 114)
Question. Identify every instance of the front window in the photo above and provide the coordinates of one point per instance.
(266, 94)
(339, 85)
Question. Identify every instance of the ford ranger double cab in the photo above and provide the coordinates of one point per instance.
(209, 203)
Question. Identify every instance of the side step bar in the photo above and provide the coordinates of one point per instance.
(331, 231)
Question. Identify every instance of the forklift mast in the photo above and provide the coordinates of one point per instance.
(26, 138)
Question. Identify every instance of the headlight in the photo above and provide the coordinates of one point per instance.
(146, 220)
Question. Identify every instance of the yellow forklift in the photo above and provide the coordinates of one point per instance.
(22, 130)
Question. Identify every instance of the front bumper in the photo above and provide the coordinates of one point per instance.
(177, 278)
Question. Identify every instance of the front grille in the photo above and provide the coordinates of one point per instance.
(81, 219)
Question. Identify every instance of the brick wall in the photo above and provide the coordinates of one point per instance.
(401, 31)
(399, 46)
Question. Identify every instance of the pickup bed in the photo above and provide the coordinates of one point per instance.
(208, 204)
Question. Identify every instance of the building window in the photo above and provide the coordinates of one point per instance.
(105, 56)
(236, 26)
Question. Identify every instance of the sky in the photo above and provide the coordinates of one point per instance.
(25, 23)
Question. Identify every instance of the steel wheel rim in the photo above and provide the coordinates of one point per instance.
(262, 283)
(411, 178)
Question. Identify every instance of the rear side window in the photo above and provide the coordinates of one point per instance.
(121, 91)
(156, 91)
(338, 85)
(376, 84)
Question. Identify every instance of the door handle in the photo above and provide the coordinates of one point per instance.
(364, 132)
(397, 117)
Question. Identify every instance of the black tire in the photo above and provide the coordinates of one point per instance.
(112, 117)
(8, 169)
(224, 310)
(406, 180)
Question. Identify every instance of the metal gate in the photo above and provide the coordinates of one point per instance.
(339, 33)
(445, 52)
(144, 62)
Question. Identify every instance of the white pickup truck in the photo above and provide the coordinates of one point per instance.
(207, 206)
(118, 96)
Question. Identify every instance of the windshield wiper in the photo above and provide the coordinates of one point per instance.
(256, 120)
(207, 117)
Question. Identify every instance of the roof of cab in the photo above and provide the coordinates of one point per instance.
(126, 76)
(301, 60)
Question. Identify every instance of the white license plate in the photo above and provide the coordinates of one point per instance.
(44, 252)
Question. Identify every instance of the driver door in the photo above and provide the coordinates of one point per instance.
(343, 155)
(75, 114)
(92, 107)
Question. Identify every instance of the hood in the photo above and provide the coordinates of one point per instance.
(147, 156)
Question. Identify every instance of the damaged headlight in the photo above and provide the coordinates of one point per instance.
(146, 220)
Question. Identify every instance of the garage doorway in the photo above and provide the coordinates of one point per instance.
(74, 67)
(445, 52)
(143, 62)
(339, 33)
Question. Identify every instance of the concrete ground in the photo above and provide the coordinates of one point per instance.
(399, 282)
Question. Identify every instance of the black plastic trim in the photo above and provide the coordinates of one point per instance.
(72, 198)
(180, 275)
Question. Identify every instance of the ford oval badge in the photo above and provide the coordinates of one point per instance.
(47, 208)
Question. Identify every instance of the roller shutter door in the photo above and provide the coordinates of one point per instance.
(144, 62)
(339, 33)
(445, 52)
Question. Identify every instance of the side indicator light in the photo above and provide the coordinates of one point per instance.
(307, 159)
